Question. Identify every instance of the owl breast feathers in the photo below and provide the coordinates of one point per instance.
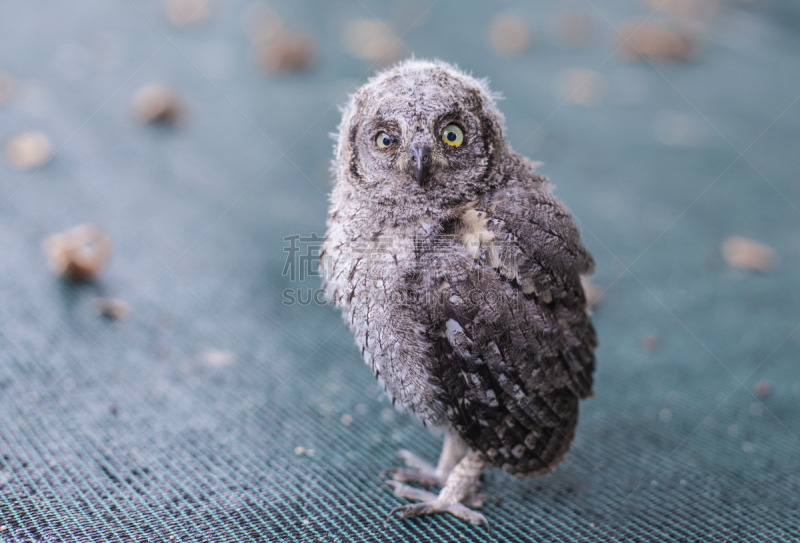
(456, 269)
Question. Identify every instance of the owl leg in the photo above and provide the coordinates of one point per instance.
(420, 471)
(453, 498)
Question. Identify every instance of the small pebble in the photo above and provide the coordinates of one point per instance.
(749, 255)
(372, 40)
(187, 12)
(763, 389)
(79, 254)
(665, 415)
(288, 51)
(347, 420)
(6, 87)
(310, 452)
(217, 358)
(655, 42)
(28, 150)
(3, 528)
(510, 36)
(299, 451)
(650, 343)
(113, 308)
(747, 447)
(157, 103)
(277, 49)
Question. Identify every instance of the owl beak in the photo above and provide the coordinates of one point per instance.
(420, 162)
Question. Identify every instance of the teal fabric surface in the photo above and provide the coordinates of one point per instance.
(125, 432)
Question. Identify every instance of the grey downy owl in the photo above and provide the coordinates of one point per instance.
(459, 274)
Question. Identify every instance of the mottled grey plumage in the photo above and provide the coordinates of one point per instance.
(463, 291)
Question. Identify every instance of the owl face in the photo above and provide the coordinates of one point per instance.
(421, 136)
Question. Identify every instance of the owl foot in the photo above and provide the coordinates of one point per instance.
(455, 498)
(414, 461)
(417, 471)
(418, 495)
(405, 475)
(430, 504)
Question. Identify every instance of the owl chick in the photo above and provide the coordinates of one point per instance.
(459, 274)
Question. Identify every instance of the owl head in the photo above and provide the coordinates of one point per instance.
(419, 138)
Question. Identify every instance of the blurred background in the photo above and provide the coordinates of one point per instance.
(172, 392)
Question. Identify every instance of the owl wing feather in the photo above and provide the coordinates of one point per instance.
(513, 368)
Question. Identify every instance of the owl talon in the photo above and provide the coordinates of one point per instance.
(458, 510)
(416, 494)
(409, 492)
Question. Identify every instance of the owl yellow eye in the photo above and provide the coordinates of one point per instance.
(452, 135)
(383, 140)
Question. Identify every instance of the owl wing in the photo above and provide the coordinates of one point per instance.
(542, 258)
(514, 366)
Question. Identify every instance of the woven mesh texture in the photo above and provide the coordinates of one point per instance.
(131, 431)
